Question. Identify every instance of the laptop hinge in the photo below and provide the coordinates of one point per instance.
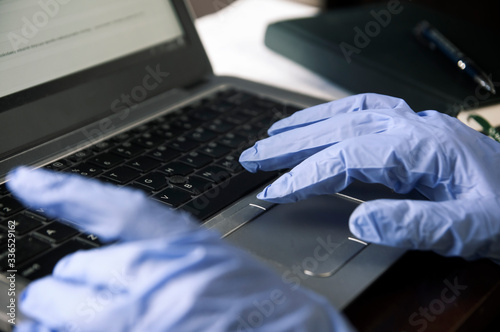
(199, 83)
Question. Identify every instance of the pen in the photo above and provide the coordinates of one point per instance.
(432, 38)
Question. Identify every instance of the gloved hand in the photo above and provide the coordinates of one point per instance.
(379, 139)
(165, 273)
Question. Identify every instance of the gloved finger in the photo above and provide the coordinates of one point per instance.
(30, 326)
(118, 266)
(61, 305)
(110, 267)
(367, 159)
(289, 148)
(102, 209)
(368, 101)
(465, 228)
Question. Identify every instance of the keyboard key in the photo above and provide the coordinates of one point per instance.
(148, 140)
(265, 122)
(176, 168)
(37, 213)
(122, 174)
(138, 186)
(164, 153)
(56, 232)
(230, 163)
(80, 155)
(9, 206)
(185, 123)
(222, 106)
(58, 165)
(128, 150)
(182, 144)
(260, 106)
(204, 114)
(237, 117)
(178, 179)
(43, 265)
(251, 131)
(26, 248)
(103, 145)
(154, 181)
(214, 150)
(143, 164)
(255, 108)
(92, 238)
(106, 160)
(196, 159)
(220, 126)
(121, 137)
(167, 131)
(201, 135)
(173, 196)
(21, 223)
(232, 140)
(263, 103)
(85, 169)
(214, 173)
(194, 184)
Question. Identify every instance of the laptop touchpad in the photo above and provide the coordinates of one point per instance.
(310, 237)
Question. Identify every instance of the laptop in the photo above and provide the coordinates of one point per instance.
(122, 91)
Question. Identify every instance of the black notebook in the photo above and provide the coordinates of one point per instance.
(373, 49)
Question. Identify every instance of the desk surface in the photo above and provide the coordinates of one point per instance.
(428, 292)
(234, 41)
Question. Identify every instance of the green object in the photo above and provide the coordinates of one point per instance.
(488, 129)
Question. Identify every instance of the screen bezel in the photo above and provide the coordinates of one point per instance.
(83, 97)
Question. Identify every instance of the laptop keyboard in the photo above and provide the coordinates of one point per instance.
(187, 159)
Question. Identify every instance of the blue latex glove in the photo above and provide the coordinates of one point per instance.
(165, 273)
(379, 139)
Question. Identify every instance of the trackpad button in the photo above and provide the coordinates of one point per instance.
(325, 266)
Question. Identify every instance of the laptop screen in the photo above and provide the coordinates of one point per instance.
(45, 40)
(68, 63)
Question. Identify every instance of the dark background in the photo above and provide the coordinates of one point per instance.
(481, 12)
